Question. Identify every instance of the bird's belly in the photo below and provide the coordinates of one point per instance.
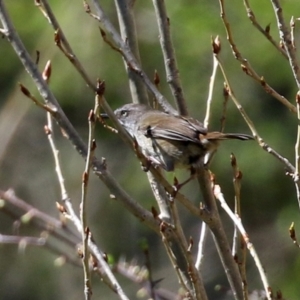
(170, 154)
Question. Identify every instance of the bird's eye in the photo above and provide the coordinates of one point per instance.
(124, 113)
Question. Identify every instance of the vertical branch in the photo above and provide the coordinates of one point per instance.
(128, 34)
(287, 39)
(201, 243)
(216, 49)
(83, 207)
(239, 248)
(297, 152)
(168, 51)
(237, 203)
(285, 36)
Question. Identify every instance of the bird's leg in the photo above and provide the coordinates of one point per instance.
(177, 186)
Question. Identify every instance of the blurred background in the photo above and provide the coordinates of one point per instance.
(269, 202)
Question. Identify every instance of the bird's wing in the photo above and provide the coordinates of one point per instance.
(171, 127)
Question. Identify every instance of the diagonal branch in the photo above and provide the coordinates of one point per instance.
(129, 57)
(264, 31)
(246, 66)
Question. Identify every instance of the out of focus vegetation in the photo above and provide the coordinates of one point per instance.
(269, 203)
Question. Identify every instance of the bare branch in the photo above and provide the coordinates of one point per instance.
(264, 31)
(238, 247)
(185, 249)
(62, 41)
(247, 68)
(128, 34)
(237, 221)
(129, 57)
(219, 235)
(285, 37)
(168, 51)
(249, 122)
(297, 152)
(201, 244)
(211, 89)
(85, 232)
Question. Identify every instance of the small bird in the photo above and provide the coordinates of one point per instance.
(171, 141)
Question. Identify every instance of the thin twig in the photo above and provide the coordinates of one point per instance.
(168, 52)
(237, 221)
(106, 272)
(61, 180)
(165, 228)
(201, 244)
(246, 66)
(47, 107)
(238, 247)
(148, 265)
(285, 36)
(62, 41)
(264, 31)
(251, 126)
(128, 34)
(69, 212)
(297, 152)
(211, 87)
(83, 207)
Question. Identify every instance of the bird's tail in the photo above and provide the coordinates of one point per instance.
(225, 136)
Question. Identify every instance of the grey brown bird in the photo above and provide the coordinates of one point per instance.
(171, 141)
